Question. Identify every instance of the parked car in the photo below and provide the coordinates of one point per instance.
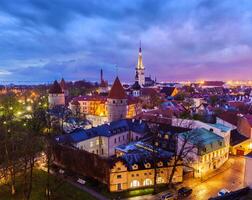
(167, 196)
(223, 192)
(184, 192)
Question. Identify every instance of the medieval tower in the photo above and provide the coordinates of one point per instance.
(117, 102)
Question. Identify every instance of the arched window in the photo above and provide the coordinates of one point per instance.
(134, 183)
(147, 182)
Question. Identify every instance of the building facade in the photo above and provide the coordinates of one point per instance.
(134, 167)
(208, 151)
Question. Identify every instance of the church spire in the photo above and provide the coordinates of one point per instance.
(140, 59)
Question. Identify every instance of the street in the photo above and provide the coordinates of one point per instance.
(230, 178)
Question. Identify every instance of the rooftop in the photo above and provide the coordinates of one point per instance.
(105, 130)
(117, 90)
(205, 140)
(141, 153)
(55, 88)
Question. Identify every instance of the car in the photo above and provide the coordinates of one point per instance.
(223, 192)
(184, 192)
(167, 196)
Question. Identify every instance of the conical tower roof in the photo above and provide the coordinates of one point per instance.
(117, 90)
(55, 88)
(63, 84)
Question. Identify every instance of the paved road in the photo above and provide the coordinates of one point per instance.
(230, 178)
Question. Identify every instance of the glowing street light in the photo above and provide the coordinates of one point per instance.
(28, 108)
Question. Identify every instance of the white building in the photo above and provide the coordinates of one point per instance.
(103, 140)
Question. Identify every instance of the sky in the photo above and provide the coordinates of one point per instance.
(44, 40)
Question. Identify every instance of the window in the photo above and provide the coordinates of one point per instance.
(119, 138)
(97, 151)
(136, 137)
(149, 173)
(132, 175)
(115, 141)
(134, 183)
(113, 101)
(91, 144)
(160, 180)
(97, 142)
(119, 176)
(102, 151)
(145, 174)
(147, 182)
(123, 137)
(137, 174)
(119, 186)
(134, 166)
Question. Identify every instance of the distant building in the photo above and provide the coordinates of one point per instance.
(136, 89)
(139, 76)
(56, 96)
(100, 109)
(103, 87)
(169, 92)
(64, 87)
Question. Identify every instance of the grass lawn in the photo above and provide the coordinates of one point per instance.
(63, 191)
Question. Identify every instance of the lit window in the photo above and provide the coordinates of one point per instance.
(119, 176)
(134, 166)
(160, 180)
(91, 144)
(147, 182)
(135, 183)
(97, 142)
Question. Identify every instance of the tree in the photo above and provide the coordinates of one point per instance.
(183, 146)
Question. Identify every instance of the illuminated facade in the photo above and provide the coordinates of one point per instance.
(134, 167)
(100, 109)
(209, 151)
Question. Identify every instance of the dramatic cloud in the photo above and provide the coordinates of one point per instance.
(43, 40)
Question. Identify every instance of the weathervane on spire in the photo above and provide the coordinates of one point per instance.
(140, 47)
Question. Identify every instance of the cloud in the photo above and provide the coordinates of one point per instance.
(74, 39)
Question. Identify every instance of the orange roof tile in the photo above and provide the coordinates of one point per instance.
(117, 90)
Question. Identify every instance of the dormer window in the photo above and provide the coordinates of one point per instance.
(135, 166)
(147, 165)
(160, 164)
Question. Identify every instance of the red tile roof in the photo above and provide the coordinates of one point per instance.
(230, 117)
(117, 91)
(55, 88)
(249, 119)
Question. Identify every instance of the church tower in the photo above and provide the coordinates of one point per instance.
(117, 102)
(56, 96)
(140, 78)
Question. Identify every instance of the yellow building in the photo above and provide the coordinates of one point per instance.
(134, 167)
